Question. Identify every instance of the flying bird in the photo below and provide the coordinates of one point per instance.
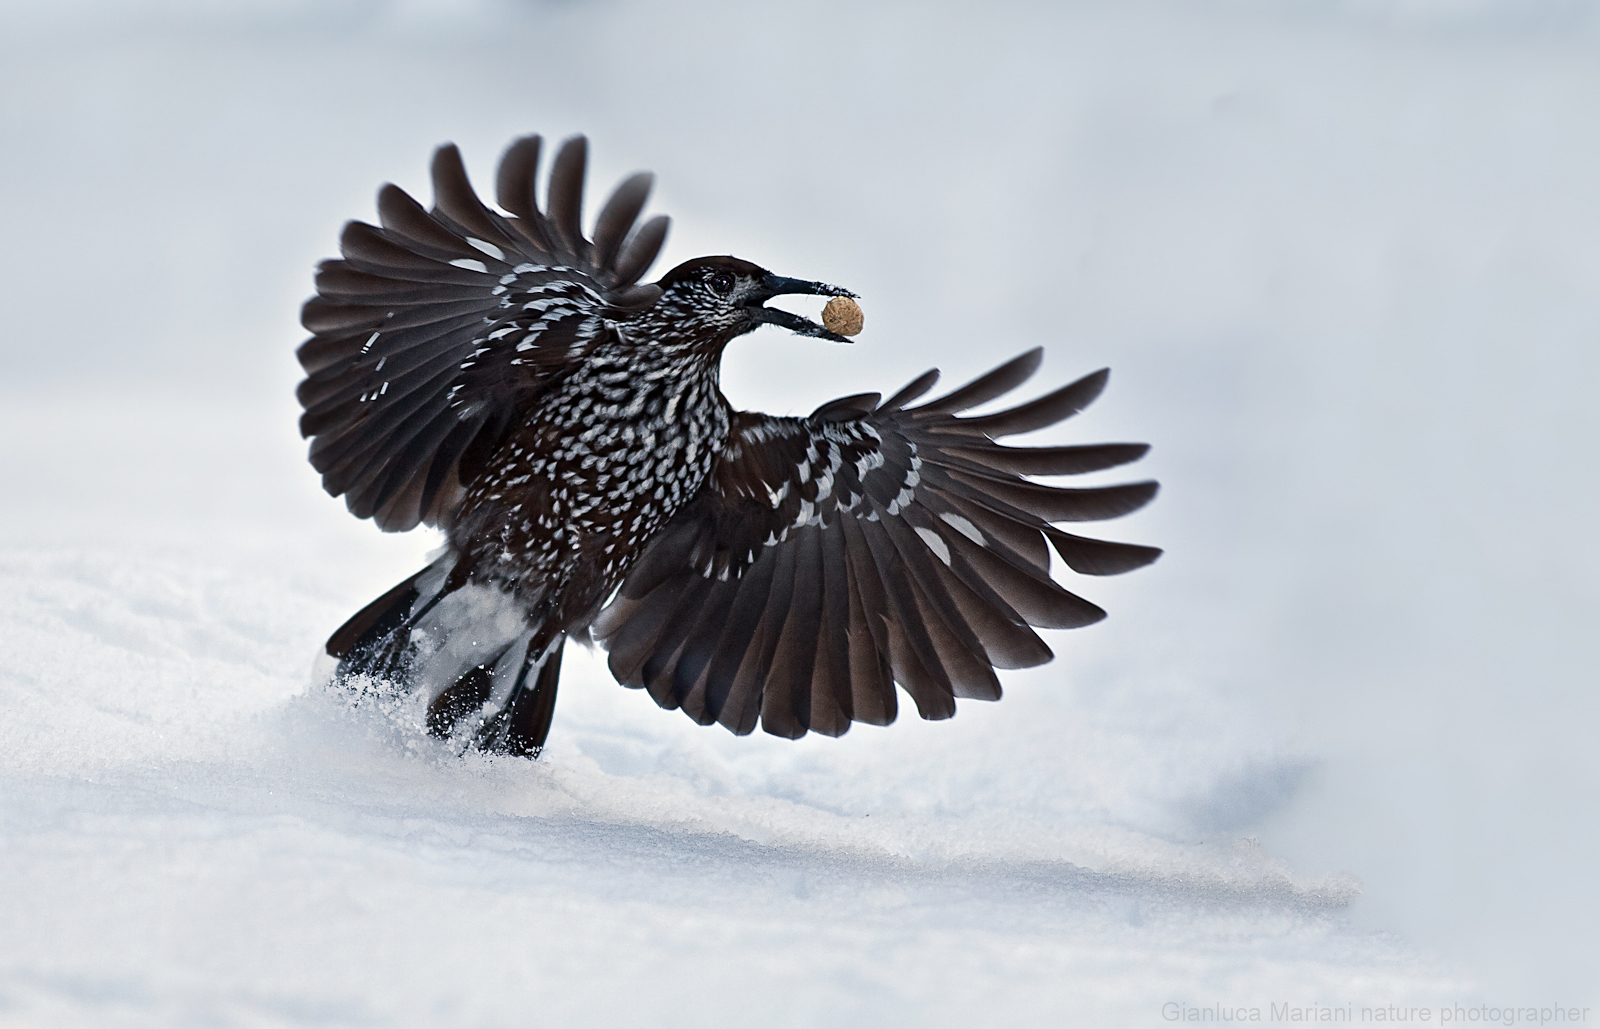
(509, 380)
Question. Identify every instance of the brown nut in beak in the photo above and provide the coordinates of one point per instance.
(842, 315)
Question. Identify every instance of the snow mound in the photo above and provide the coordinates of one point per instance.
(197, 832)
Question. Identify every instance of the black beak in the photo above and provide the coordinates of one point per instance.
(779, 285)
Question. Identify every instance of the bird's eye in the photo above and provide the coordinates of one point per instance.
(721, 282)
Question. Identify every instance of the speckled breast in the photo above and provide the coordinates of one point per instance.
(570, 500)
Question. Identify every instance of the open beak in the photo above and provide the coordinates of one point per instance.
(779, 285)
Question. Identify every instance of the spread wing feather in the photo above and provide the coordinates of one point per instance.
(437, 328)
(832, 556)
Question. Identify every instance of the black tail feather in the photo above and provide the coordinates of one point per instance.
(375, 621)
(466, 696)
(523, 722)
(381, 643)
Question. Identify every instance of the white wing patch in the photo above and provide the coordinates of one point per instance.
(935, 544)
(488, 248)
(965, 528)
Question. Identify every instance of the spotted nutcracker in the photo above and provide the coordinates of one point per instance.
(504, 378)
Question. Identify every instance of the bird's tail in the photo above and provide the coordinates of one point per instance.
(488, 671)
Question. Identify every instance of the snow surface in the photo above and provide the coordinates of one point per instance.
(1337, 747)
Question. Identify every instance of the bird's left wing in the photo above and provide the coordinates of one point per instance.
(437, 329)
(829, 557)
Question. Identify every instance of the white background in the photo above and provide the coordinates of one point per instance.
(1337, 747)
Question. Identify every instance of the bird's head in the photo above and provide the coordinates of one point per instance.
(716, 299)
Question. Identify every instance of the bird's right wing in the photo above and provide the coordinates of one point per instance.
(830, 557)
(435, 330)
